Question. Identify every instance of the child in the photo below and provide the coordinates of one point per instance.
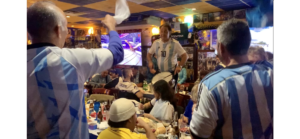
(163, 103)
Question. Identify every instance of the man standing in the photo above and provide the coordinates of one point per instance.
(55, 75)
(237, 101)
(167, 51)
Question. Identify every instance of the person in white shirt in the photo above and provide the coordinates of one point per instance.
(129, 89)
(163, 104)
(167, 51)
(56, 75)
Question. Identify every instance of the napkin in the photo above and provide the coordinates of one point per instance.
(122, 11)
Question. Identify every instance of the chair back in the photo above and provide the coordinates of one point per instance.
(99, 90)
(101, 97)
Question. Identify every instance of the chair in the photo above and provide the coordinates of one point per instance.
(113, 92)
(182, 100)
(101, 97)
(99, 91)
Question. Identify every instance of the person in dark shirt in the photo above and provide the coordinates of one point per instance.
(137, 77)
(116, 76)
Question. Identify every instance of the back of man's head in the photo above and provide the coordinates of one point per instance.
(235, 35)
(127, 73)
(45, 20)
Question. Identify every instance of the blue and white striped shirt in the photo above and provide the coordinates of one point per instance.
(55, 78)
(167, 54)
(236, 102)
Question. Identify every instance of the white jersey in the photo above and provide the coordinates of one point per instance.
(162, 110)
(167, 54)
(128, 87)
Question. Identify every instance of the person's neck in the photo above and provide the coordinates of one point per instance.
(127, 79)
(34, 41)
(236, 60)
(165, 40)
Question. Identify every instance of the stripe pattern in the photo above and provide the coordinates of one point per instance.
(54, 93)
(243, 98)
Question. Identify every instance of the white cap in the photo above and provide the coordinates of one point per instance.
(121, 110)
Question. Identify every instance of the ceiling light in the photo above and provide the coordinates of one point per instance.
(193, 9)
(72, 26)
(68, 16)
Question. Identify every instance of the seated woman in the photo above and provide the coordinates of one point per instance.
(188, 110)
(163, 103)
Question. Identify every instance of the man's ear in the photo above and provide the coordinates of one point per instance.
(57, 31)
(222, 48)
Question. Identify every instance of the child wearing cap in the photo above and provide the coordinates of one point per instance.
(122, 122)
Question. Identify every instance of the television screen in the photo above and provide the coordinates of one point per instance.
(262, 37)
(132, 48)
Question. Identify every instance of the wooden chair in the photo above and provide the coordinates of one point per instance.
(113, 92)
(99, 91)
(182, 100)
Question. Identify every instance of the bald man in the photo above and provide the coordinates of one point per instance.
(55, 75)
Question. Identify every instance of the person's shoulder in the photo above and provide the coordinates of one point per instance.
(215, 78)
(263, 65)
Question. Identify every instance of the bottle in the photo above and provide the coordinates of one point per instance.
(145, 86)
(100, 116)
(104, 114)
(182, 124)
(175, 124)
(107, 105)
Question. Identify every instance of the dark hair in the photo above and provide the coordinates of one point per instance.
(168, 26)
(166, 92)
(121, 124)
(134, 67)
(269, 55)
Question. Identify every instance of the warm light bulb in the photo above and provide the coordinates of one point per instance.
(91, 31)
(188, 19)
(193, 9)
(68, 16)
(155, 31)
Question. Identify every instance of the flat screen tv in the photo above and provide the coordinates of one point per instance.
(132, 48)
(262, 37)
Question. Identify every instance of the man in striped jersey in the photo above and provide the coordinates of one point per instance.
(167, 51)
(235, 102)
(55, 75)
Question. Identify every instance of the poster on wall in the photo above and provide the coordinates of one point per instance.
(226, 15)
(207, 61)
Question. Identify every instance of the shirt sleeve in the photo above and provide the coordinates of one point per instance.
(184, 76)
(112, 84)
(152, 102)
(90, 61)
(169, 112)
(179, 49)
(135, 88)
(153, 47)
(204, 118)
(188, 110)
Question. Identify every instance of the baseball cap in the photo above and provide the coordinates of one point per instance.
(116, 71)
(121, 109)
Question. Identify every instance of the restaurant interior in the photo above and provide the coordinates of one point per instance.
(194, 25)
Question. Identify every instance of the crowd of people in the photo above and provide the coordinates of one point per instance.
(234, 101)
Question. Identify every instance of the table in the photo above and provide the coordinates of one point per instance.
(147, 94)
(94, 133)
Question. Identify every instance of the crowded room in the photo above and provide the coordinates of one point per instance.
(156, 69)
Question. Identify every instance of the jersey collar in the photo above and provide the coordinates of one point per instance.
(38, 45)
